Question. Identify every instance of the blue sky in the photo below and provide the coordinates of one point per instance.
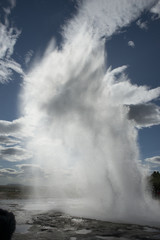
(27, 27)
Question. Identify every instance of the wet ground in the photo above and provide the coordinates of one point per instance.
(56, 225)
(33, 223)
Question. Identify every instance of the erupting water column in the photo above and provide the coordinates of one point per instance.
(82, 138)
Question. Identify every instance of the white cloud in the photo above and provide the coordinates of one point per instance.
(8, 140)
(106, 17)
(131, 44)
(9, 172)
(156, 10)
(154, 160)
(14, 154)
(142, 24)
(17, 128)
(28, 56)
(151, 164)
(13, 127)
(145, 115)
(13, 136)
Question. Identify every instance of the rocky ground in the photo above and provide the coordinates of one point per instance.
(59, 226)
(34, 224)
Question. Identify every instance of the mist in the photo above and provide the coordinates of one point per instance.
(77, 108)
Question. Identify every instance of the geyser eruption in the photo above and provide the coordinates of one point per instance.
(77, 111)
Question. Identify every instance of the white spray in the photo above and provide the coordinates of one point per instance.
(78, 113)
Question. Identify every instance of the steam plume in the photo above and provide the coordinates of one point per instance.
(78, 113)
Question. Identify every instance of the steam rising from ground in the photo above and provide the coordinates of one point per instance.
(77, 111)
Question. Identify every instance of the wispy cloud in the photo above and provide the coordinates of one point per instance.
(156, 10)
(8, 38)
(13, 3)
(7, 10)
(142, 24)
(28, 56)
(131, 44)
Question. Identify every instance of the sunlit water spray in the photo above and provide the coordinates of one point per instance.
(77, 111)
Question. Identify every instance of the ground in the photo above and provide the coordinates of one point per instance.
(55, 225)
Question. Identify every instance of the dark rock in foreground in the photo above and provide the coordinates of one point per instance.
(59, 226)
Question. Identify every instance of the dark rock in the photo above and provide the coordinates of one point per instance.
(7, 224)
